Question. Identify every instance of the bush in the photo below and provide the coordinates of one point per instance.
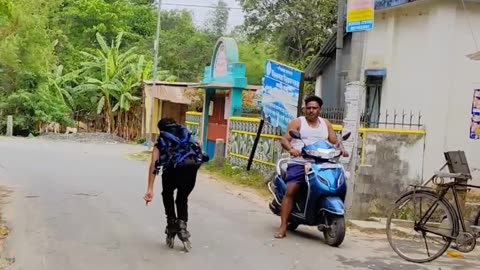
(31, 109)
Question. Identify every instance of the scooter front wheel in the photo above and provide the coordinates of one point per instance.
(335, 233)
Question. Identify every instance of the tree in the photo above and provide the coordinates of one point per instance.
(298, 28)
(217, 23)
(184, 50)
(77, 22)
(26, 49)
(255, 55)
(27, 60)
(106, 70)
(61, 59)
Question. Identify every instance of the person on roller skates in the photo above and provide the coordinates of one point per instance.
(179, 158)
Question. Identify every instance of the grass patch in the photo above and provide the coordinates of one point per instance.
(142, 156)
(239, 176)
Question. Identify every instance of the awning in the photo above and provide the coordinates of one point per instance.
(376, 72)
(213, 85)
(175, 94)
(321, 60)
(224, 86)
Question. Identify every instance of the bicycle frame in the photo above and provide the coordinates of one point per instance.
(458, 211)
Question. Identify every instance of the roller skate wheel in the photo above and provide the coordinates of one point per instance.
(187, 245)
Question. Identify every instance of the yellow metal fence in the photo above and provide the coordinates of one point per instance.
(243, 130)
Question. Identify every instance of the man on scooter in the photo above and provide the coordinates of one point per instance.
(312, 128)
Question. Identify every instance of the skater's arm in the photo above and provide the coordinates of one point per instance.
(151, 170)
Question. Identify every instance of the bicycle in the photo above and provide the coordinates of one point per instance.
(465, 239)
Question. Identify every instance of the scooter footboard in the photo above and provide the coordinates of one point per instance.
(332, 205)
(280, 185)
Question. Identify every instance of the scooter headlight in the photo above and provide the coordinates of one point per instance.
(323, 181)
(341, 180)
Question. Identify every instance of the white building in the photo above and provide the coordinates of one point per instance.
(416, 59)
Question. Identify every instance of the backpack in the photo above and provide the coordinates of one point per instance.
(178, 148)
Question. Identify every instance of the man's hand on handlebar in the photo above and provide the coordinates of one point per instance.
(344, 152)
(295, 152)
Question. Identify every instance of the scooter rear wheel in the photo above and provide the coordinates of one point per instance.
(335, 234)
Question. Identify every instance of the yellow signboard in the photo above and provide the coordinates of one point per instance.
(360, 15)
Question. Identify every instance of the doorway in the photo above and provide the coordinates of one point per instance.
(373, 100)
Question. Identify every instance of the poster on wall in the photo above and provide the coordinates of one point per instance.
(282, 88)
(475, 121)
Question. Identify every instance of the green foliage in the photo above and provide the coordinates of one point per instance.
(254, 56)
(184, 50)
(239, 176)
(31, 109)
(26, 52)
(61, 59)
(297, 28)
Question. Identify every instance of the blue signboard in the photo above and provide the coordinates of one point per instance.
(359, 26)
(280, 94)
(384, 4)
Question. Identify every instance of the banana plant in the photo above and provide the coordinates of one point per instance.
(59, 82)
(107, 67)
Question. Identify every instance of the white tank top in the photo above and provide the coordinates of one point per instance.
(309, 136)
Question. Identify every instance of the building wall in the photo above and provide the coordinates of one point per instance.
(157, 109)
(331, 98)
(423, 46)
(465, 78)
(390, 166)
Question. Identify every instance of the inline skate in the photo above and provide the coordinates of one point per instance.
(171, 231)
(183, 234)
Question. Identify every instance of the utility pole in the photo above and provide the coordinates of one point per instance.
(338, 60)
(154, 75)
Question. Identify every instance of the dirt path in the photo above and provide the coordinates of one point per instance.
(4, 228)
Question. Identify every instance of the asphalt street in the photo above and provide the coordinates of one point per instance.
(80, 206)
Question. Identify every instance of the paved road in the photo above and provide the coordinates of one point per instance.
(79, 206)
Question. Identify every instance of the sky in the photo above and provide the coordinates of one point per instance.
(235, 18)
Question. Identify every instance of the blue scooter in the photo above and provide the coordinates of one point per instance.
(320, 201)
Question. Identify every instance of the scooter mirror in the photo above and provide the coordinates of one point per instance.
(346, 136)
(295, 134)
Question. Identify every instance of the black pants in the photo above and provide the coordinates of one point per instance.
(183, 180)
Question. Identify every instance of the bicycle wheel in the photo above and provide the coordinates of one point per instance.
(401, 220)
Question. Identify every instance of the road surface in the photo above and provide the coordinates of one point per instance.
(79, 206)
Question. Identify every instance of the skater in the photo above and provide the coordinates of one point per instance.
(179, 158)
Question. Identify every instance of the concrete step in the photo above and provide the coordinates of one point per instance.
(378, 225)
